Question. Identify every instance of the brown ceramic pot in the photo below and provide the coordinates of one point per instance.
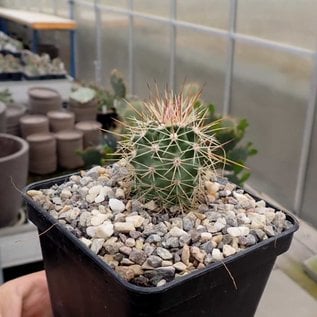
(61, 120)
(13, 114)
(83, 111)
(69, 143)
(14, 156)
(43, 100)
(43, 156)
(31, 124)
(91, 131)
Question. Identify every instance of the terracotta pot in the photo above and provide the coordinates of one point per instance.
(14, 156)
(91, 131)
(43, 100)
(68, 144)
(3, 108)
(31, 124)
(43, 156)
(13, 114)
(61, 120)
(83, 111)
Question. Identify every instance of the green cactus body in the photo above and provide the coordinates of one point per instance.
(170, 152)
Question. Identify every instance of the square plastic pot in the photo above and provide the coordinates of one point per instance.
(81, 284)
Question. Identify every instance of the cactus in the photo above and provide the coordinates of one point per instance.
(170, 151)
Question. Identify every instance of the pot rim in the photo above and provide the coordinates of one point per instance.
(24, 147)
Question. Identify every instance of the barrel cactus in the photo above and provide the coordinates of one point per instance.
(170, 151)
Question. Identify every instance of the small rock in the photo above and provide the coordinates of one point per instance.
(180, 266)
(126, 272)
(86, 242)
(137, 256)
(124, 227)
(185, 254)
(228, 250)
(198, 254)
(96, 245)
(161, 283)
(238, 231)
(125, 250)
(205, 236)
(130, 242)
(153, 238)
(188, 224)
(177, 232)
(104, 231)
(247, 240)
(116, 205)
(154, 261)
(269, 231)
(136, 220)
(171, 242)
(98, 219)
(217, 255)
(164, 254)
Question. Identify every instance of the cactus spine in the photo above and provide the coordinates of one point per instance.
(170, 151)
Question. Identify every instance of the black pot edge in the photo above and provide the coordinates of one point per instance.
(131, 287)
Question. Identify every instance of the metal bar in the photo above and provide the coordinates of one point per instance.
(131, 74)
(215, 31)
(230, 57)
(54, 5)
(173, 35)
(98, 62)
(71, 4)
(35, 40)
(307, 141)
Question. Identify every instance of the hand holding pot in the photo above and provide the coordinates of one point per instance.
(26, 296)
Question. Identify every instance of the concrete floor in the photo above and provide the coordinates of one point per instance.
(290, 292)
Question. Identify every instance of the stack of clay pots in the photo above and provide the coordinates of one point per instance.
(43, 158)
(43, 99)
(13, 114)
(69, 144)
(91, 132)
(84, 108)
(33, 123)
(61, 120)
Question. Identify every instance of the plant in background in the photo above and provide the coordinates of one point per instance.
(230, 131)
(171, 151)
(110, 100)
(6, 96)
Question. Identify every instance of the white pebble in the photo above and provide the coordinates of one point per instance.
(238, 231)
(97, 245)
(98, 219)
(100, 198)
(86, 241)
(136, 220)
(228, 250)
(124, 227)
(116, 205)
(104, 231)
(177, 232)
(217, 255)
(91, 231)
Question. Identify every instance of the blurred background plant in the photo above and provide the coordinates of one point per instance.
(6, 96)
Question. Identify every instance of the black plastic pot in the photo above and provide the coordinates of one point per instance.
(81, 284)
